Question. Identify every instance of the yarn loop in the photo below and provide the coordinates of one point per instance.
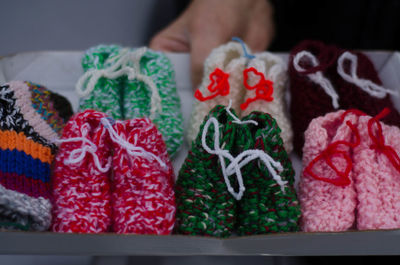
(351, 77)
(236, 163)
(316, 77)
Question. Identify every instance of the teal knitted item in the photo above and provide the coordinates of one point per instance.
(137, 98)
(264, 208)
(133, 83)
(106, 95)
(204, 205)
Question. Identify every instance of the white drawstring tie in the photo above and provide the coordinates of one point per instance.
(127, 63)
(236, 163)
(131, 149)
(77, 155)
(366, 85)
(316, 77)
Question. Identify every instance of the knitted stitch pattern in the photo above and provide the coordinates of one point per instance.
(53, 108)
(143, 197)
(376, 180)
(204, 205)
(327, 207)
(106, 95)
(141, 84)
(265, 208)
(272, 68)
(81, 191)
(230, 59)
(137, 98)
(28, 125)
(309, 100)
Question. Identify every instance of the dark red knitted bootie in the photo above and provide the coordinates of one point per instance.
(325, 78)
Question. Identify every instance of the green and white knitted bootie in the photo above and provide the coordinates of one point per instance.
(133, 83)
(97, 88)
(269, 203)
(151, 92)
(204, 204)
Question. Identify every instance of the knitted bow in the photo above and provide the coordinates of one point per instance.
(121, 66)
(236, 163)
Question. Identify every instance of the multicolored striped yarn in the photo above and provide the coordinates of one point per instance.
(143, 198)
(204, 205)
(265, 208)
(106, 95)
(128, 98)
(29, 125)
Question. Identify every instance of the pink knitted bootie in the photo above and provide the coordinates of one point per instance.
(326, 191)
(376, 174)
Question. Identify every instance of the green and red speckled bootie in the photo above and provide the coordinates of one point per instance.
(243, 162)
(133, 83)
(267, 205)
(204, 205)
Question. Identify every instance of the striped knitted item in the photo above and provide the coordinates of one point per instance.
(224, 61)
(143, 199)
(138, 98)
(204, 205)
(29, 123)
(327, 207)
(264, 207)
(268, 66)
(376, 177)
(106, 95)
(81, 176)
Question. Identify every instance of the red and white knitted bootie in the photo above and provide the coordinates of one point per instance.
(81, 186)
(143, 199)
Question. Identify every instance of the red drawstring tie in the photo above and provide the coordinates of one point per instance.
(333, 151)
(219, 85)
(379, 140)
(264, 88)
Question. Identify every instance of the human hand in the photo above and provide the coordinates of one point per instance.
(206, 24)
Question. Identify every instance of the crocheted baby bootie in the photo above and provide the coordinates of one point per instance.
(29, 123)
(325, 78)
(150, 91)
(269, 203)
(265, 82)
(326, 190)
(222, 82)
(81, 172)
(377, 174)
(309, 62)
(99, 87)
(143, 199)
(204, 204)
